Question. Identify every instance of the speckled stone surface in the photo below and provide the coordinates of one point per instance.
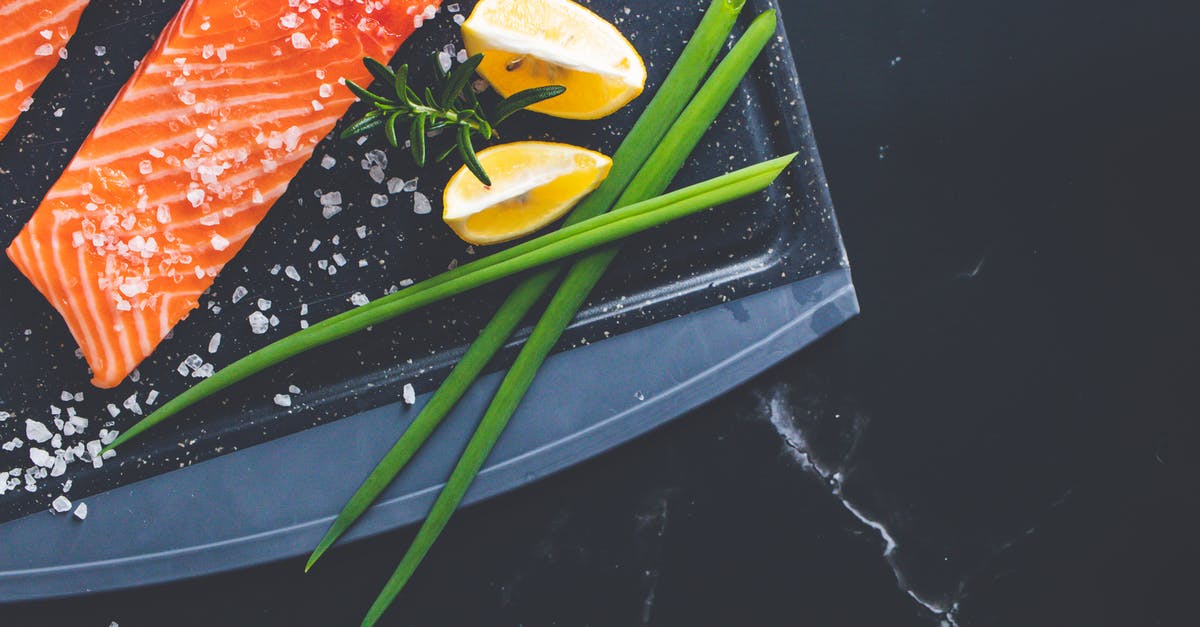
(1006, 437)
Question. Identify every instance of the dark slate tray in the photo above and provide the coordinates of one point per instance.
(688, 312)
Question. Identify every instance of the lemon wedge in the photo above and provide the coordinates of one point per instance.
(534, 43)
(533, 184)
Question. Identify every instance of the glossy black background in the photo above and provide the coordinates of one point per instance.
(1014, 406)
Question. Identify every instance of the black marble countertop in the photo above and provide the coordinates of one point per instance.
(1004, 437)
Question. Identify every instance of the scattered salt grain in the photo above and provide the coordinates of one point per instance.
(81, 511)
(292, 273)
(37, 431)
(300, 42)
(131, 404)
(377, 174)
(214, 344)
(339, 259)
(264, 304)
(328, 162)
(421, 204)
(410, 394)
(330, 210)
(283, 400)
(314, 246)
(40, 457)
(61, 504)
(152, 396)
(239, 293)
(361, 231)
(395, 185)
(358, 299)
(274, 321)
(113, 410)
(259, 323)
(219, 243)
(275, 270)
(101, 51)
(378, 200)
(443, 60)
(293, 389)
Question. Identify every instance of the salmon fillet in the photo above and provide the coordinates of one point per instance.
(33, 35)
(205, 136)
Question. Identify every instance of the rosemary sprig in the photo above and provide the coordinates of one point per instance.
(452, 105)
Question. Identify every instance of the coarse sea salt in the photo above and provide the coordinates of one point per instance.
(421, 204)
(410, 394)
(259, 323)
(61, 504)
(283, 400)
(81, 511)
(37, 431)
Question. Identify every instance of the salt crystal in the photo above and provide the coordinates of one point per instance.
(339, 259)
(314, 245)
(421, 204)
(283, 400)
(44, 50)
(152, 395)
(274, 321)
(37, 431)
(131, 404)
(239, 293)
(377, 174)
(67, 397)
(358, 299)
(378, 200)
(411, 186)
(214, 343)
(113, 410)
(300, 42)
(395, 185)
(361, 231)
(40, 457)
(264, 304)
(331, 198)
(293, 389)
(196, 197)
(328, 162)
(61, 504)
(329, 211)
(444, 61)
(410, 394)
(259, 323)
(219, 243)
(292, 273)
(275, 270)
(81, 513)
(325, 91)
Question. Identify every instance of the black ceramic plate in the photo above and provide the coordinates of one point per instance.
(688, 311)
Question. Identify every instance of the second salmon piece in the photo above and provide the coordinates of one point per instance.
(33, 37)
(205, 136)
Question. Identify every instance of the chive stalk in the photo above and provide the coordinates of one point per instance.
(537, 252)
(651, 179)
(496, 418)
(681, 83)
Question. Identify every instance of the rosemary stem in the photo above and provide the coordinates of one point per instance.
(681, 83)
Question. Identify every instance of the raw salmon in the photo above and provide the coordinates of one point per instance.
(205, 136)
(33, 37)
